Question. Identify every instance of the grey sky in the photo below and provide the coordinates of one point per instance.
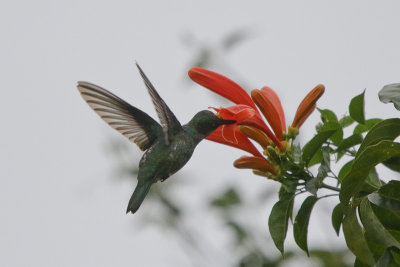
(59, 205)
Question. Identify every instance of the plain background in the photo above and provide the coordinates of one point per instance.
(60, 205)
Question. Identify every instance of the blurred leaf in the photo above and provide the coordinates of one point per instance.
(300, 226)
(296, 152)
(385, 130)
(346, 121)
(354, 236)
(240, 232)
(337, 218)
(330, 258)
(356, 108)
(390, 93)
(393, 164)
(351, 141)
(311, 148)
(279, 218)
(228, 199)
(346, 168)
(235, 38)
(361, 128)
(374, 228)
(363, 163)
(391, 190)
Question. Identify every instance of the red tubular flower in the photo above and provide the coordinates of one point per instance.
(234, 92)
(308, 105)
(255, 163)
(270, 94)
(221, 85)
(242, 143)
(269, 110)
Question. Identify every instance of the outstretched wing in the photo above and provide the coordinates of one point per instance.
(169, 122)
(133, 123)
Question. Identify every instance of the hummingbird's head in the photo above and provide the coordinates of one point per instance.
(205, 122)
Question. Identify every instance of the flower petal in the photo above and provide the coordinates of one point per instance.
(307, 106)
(269, 111)
(270, 94)
(236, 112)
(256, 135)
(221, 85)
(242, 143)
(255, 163)
(258, 123)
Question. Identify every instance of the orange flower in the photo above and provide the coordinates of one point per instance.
(248, 119)
(234, 92)
(255, 163)
(307, 106)
(270, 106)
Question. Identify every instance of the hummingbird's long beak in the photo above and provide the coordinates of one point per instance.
(222, 121)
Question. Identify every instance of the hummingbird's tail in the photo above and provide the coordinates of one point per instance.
(137, 197)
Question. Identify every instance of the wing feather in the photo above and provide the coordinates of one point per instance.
(131, 122)
(169, 122)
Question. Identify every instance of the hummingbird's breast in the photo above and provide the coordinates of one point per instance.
(161, 160)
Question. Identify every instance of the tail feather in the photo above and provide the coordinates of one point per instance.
(137, 197)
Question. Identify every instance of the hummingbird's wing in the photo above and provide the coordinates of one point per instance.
(169, 122)
(133, 123)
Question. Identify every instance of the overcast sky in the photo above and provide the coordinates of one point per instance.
(60, 205)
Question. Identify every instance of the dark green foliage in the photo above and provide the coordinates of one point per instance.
(356, 108)
(300, 226)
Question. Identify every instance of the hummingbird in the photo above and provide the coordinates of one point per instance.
(167, 147)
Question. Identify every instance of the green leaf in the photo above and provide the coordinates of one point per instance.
(313, 185)
(229, 198)
(327, 116)
(385, 130)
(391, 190)
(389, 218)
(346, 168)
(390, 258)
(300, 226)
(387, 203)
(351, 141)
(361, 128)
(346, 121)
(363, 164)
(390, 94)
(317, 158)
(374, 228)
(393, 164)
(279, 218)
(337, 218)
(337, 137)
(356, 108)
(385, 259)
(354, 236)
(358, 263)
(315, 144)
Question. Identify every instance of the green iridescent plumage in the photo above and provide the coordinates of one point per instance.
(168, 147)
